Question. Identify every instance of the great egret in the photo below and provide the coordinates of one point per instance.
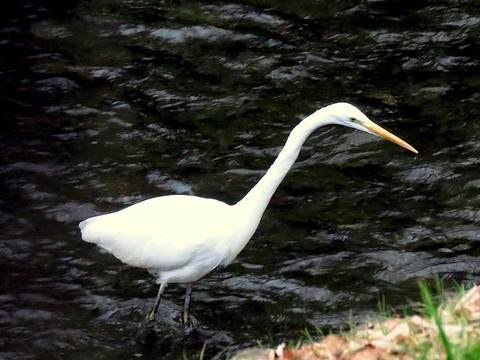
(181, 238)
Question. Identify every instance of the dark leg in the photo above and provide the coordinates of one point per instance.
(186, 309)
(153, 312)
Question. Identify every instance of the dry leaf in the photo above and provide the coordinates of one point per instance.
(370, 354)
(469, 305)
(401, 331)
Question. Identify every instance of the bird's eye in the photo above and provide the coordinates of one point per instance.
(355, 121)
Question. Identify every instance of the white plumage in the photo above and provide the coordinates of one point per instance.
(191, 243)
(179, 239)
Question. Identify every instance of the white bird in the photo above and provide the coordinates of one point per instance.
(181, 238)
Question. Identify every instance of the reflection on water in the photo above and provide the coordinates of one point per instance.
(108, 103)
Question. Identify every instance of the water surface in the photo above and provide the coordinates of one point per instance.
(106, 103)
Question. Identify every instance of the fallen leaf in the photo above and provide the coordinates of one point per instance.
(370, 353)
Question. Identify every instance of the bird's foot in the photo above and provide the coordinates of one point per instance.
(191, 332)
(188, 328)
(189, 324)
(151, 316)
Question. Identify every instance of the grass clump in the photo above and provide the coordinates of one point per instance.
(449, 330)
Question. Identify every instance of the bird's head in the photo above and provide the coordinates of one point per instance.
(348, 115)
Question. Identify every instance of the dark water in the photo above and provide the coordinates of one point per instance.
(105, 103)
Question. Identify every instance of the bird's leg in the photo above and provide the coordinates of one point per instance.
(153, 312)
(186, 309)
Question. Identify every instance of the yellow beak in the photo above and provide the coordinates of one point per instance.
(378, 130)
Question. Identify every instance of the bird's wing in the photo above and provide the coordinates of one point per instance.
(164, 233)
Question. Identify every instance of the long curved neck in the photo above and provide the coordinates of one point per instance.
(257, 199)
